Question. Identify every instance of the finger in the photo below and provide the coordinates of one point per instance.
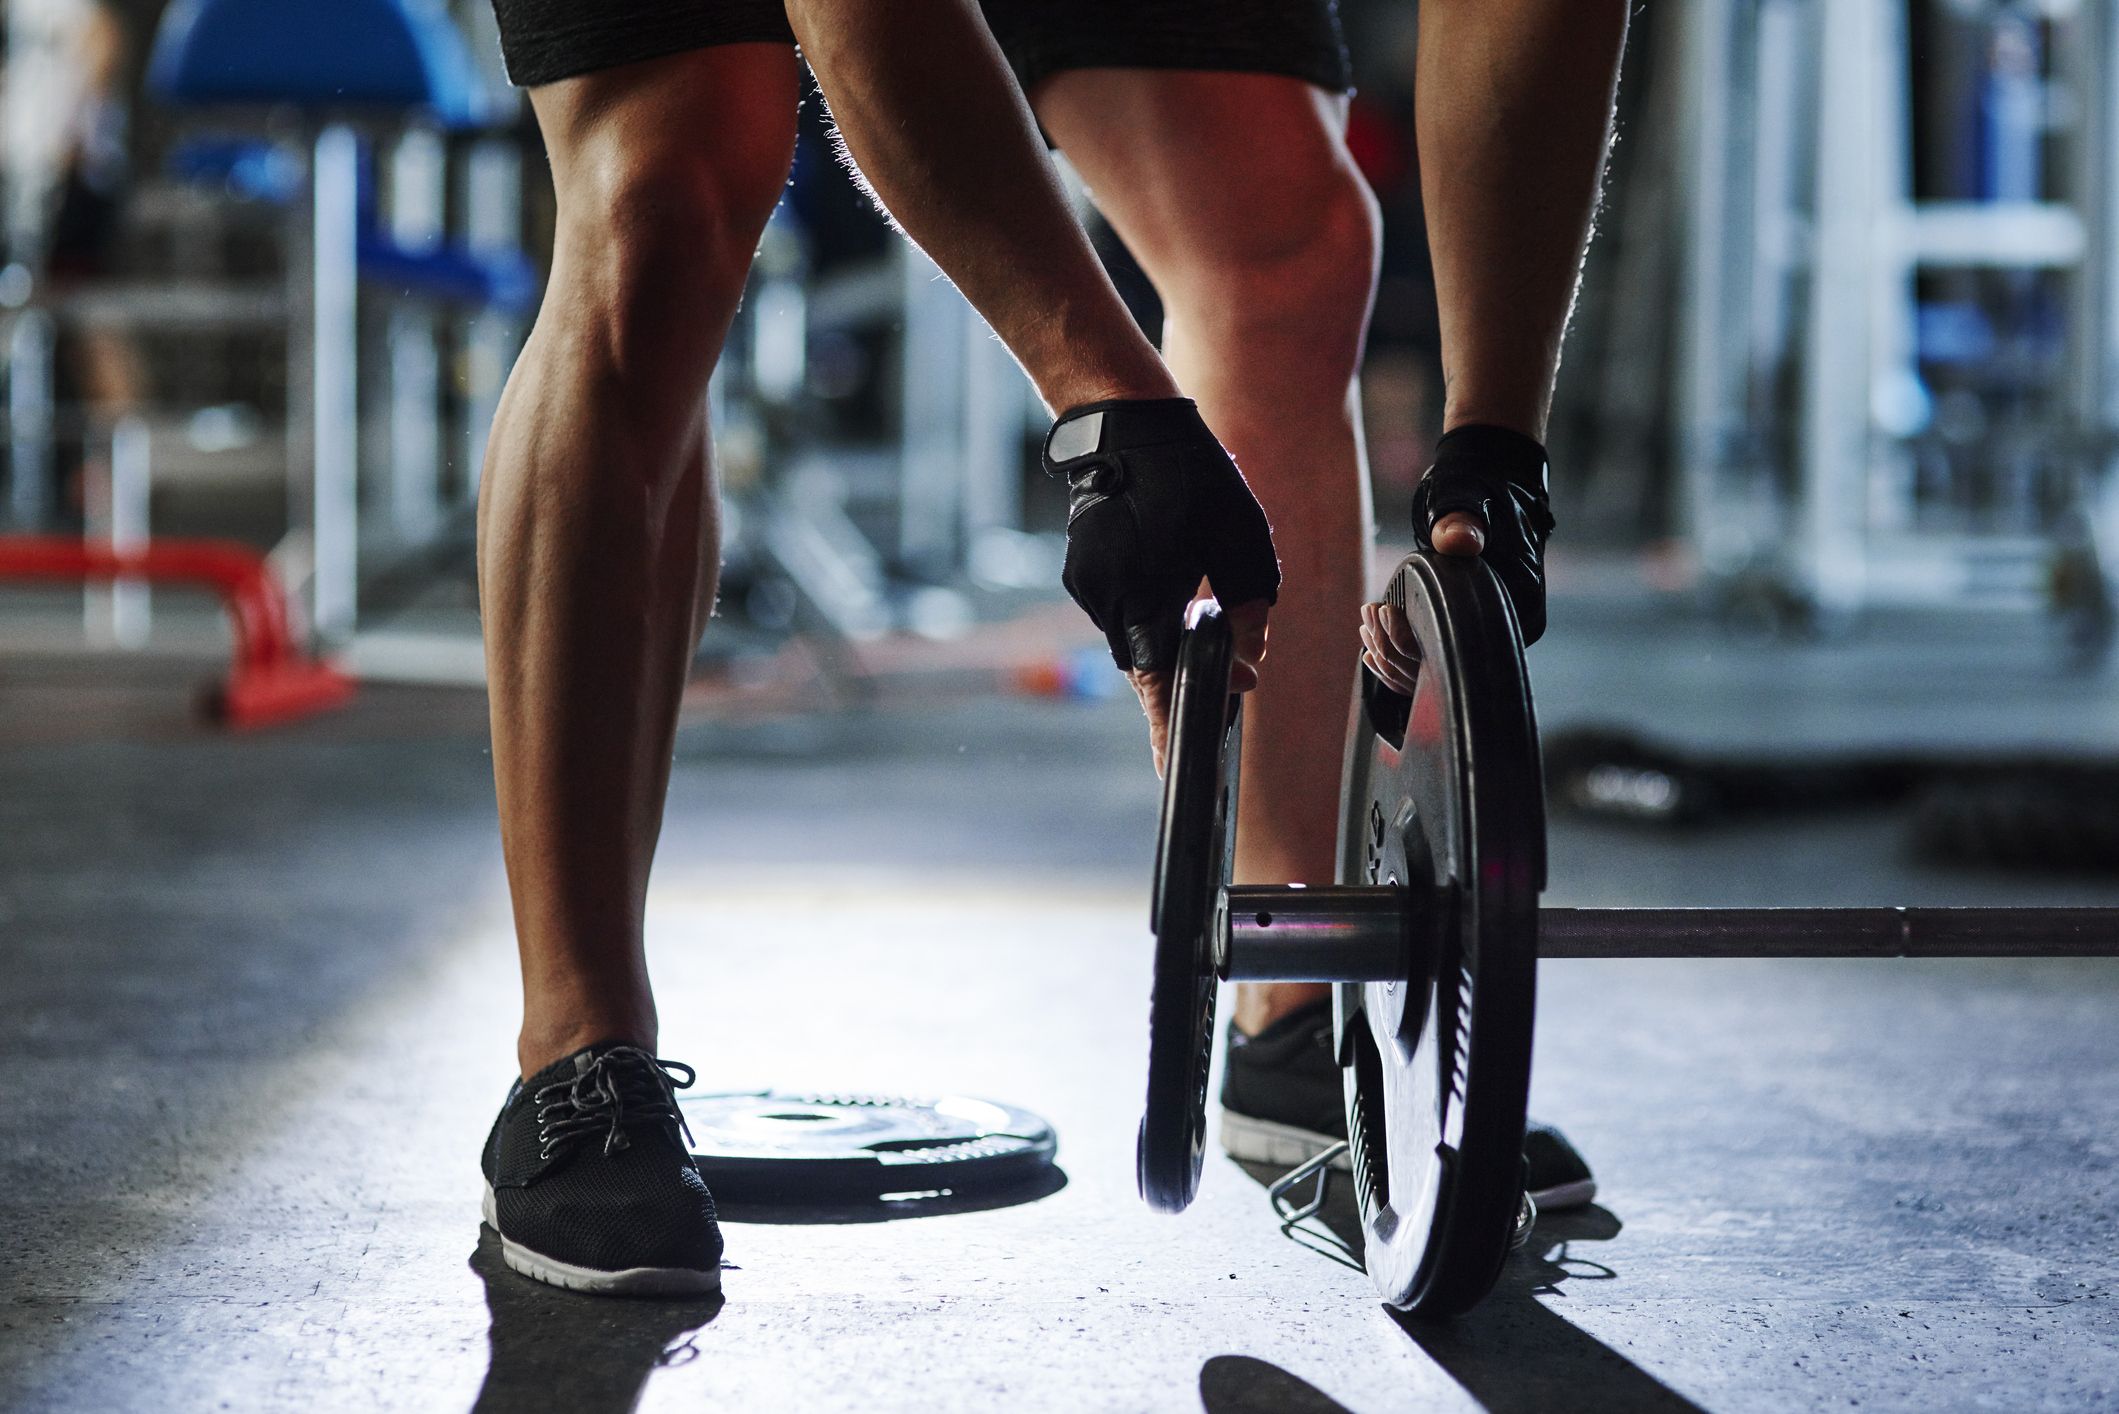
(1458, 533)
(1391, 678)
(1396, 681)
(1248, 622)
(1372, 644)
(1390, 640)
(1388, 673)
(1372, 650)
(1398, 634)
(1153, 690)
(1380, 655)
(1153, 626)
(1372, 628)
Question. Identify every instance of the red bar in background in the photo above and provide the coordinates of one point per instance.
(271, 679)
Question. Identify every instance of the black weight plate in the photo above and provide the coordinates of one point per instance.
(1444, 793)
(766, 1148)
(1192, 856)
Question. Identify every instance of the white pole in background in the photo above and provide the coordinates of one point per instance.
(419, 166)
(931, 414)
(415, 427)
(1855, 55)
(1707, 414)
(119, 614)
(131, 486)
(335, 505)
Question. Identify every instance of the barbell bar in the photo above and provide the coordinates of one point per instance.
(1289, 933)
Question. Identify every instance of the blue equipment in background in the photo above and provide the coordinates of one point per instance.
(319, 54)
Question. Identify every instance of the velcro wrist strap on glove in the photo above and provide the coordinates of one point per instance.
(1497, 476)
(1154, 506)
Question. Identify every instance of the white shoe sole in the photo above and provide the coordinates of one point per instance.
(633, 1281)
(1265, 1141)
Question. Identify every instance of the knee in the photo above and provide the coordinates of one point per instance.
(654, 244)
(1295, 273)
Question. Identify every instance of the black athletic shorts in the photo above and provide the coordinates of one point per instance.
(545, 40)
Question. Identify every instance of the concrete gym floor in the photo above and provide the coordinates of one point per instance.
(256, 999)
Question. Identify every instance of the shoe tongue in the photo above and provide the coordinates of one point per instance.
(567, 1067)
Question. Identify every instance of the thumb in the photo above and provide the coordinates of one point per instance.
(1458, 533)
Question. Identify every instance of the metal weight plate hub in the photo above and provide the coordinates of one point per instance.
(769, 1148)
(1192, 862)
(1443, 795)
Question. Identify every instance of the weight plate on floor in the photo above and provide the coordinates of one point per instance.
(1192, 857)
(765, 1147)
(1443, 793)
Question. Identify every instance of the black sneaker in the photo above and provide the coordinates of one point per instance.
(589, 1184)
(1283, 1103)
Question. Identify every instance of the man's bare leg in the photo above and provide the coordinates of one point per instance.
(597, 546)
(1236, 194)
(1514, 114)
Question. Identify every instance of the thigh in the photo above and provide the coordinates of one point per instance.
(710, 127)
(665, 90)
(1198, 170)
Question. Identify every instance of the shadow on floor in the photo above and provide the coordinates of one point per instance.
(1238, 1384)
(1515, 1353)
(554, 1349)
(943, 1203)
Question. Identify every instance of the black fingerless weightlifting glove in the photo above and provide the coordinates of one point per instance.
(1155, 505)
(1498, 476)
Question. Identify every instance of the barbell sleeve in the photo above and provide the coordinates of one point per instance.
(1336, 933)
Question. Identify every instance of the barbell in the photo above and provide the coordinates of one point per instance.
(1433, 932)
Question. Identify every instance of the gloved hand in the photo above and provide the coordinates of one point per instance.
(1497, 478)
(1155, 505)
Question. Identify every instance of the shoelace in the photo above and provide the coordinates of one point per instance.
(622, 1087)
